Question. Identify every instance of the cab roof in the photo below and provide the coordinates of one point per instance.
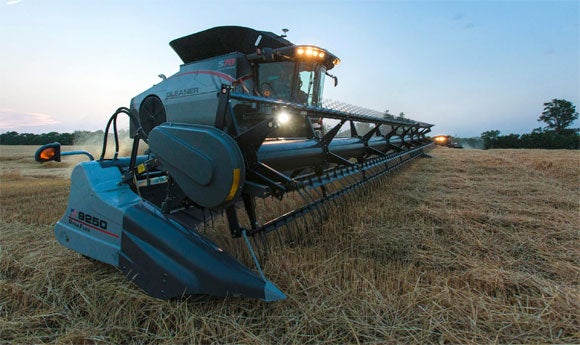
(222, 40)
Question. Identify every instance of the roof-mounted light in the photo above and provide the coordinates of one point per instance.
(310, 52)
(296, 53)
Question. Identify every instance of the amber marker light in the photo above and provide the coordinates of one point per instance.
(48, 154)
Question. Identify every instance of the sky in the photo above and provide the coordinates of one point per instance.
(464, 66)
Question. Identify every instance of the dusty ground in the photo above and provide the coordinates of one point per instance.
(467, 247)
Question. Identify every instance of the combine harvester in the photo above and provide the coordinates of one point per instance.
(447, 140)
(242, 120)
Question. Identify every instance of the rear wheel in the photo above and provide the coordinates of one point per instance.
(151, 113)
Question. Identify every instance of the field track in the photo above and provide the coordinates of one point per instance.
(468, 247)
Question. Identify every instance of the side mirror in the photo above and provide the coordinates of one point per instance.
(48, 152)
(335, 78)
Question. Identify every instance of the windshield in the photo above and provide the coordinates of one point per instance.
(298, 82)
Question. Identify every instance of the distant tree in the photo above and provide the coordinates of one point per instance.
(508, 141)
(558, 115)
(401, 115)
(387, 114)
(489, 139)
(9, 138)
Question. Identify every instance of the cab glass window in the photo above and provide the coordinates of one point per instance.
(298, 82)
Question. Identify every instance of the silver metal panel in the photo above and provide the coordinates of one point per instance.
(92, 223)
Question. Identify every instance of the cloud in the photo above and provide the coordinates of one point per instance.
(469, 26)
(458, 16)
(10, 119)
(460, 19)
(12, 2)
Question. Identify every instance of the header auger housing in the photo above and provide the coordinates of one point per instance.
(242, 120)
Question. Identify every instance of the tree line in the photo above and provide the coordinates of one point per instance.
(558, 115)
(77, 137)
(538, 139)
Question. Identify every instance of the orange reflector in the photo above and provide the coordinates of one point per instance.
(47, 154)
(235, 185)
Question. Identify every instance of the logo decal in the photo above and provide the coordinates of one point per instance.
(87, 222)
(183, 92)
(227, 63)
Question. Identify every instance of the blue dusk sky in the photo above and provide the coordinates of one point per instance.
(465, 66)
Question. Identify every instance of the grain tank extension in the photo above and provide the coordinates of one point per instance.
(242, 120)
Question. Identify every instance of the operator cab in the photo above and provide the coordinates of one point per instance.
(294, 74)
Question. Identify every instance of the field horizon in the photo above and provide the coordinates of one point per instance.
(470, 246)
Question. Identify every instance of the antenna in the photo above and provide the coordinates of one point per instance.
(285, 31)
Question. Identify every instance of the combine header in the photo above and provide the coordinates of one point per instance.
(242, 120)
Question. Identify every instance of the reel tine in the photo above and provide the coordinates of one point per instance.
(211, 218)
(265, 244)
(350, 183)
(334, 188)
(279, 238)
(305, 225)
(289, 233)
(321, 216)
(312, 203)
(321, 193)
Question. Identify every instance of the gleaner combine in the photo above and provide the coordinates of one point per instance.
(242, 120)
(446, 140)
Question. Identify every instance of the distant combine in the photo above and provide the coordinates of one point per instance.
(447, 140)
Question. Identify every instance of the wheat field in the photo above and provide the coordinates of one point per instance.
(466, 247)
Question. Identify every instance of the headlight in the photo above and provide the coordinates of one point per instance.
(282, 117)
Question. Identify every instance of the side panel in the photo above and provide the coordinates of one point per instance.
(167, 261)
(92, 223)
(191, 94)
